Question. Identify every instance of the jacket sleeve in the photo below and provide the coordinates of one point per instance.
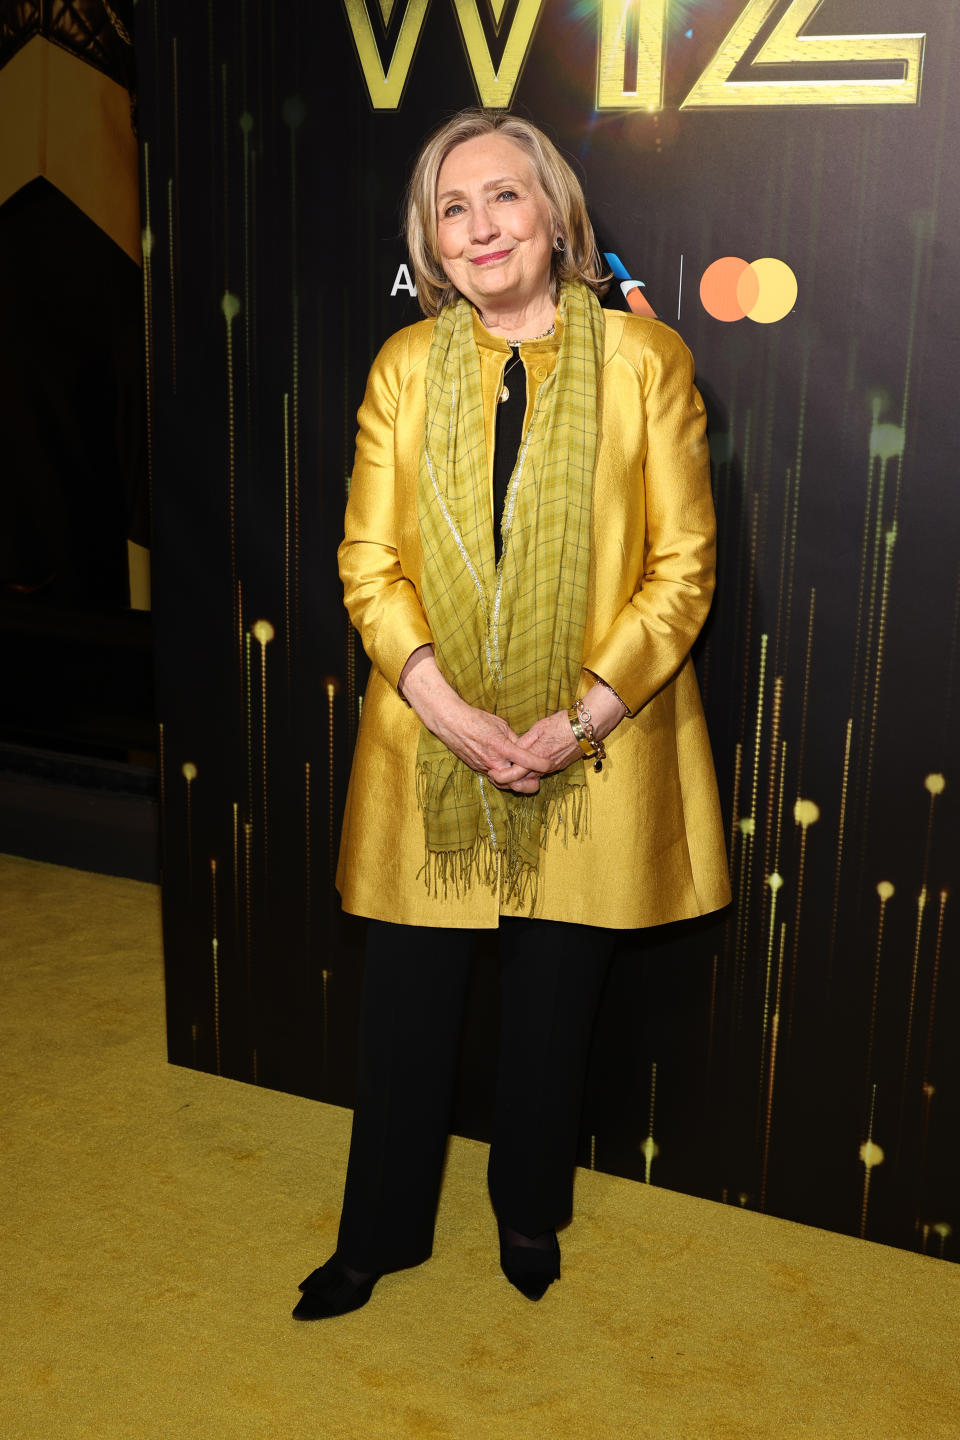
(381, 601)
(652, 635)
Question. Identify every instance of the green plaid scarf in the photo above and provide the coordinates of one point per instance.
(507, 637)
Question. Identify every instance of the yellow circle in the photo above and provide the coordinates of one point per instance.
(778, 291)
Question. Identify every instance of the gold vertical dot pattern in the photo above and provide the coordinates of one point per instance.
(263, 632)
(805, 813)
(934, 984)
(189, 772)
(648, 1147)
(248, 717)
(805, 700)
(215, 957)
(235, 837)
(331, 685)
(307, 856)
(911, 1009)
(771, 1074)
(248, 938)
(325, 975)
(230, 308)
(934, 784)
(885, 893)
(841, 827)
(871, 1155)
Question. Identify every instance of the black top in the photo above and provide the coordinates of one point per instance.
(508, 434)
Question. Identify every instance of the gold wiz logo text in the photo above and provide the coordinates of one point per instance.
(786, 44)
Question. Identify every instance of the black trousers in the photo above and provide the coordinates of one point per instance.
(415, 986)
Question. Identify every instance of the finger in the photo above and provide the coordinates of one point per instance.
(526, 787)
(506, 776)
(530, 760)
(511, 749)
(504, 765)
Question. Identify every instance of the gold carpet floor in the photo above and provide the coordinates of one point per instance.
(156, 1223)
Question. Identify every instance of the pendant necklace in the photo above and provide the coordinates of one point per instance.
(515, 345)
(505, 390)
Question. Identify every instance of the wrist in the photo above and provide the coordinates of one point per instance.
(435, 702)
(606, 709)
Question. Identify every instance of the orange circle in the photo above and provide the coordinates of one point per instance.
(720, 288)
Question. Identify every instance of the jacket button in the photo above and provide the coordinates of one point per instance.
(540, 373)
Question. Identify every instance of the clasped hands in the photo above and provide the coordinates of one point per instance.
(486, 742)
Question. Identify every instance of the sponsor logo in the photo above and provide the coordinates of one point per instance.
(632, 45)
(632, 289)
(764, 291)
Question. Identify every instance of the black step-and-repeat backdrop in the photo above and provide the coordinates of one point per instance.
(777, 180)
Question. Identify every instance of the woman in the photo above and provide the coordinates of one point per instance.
(528, 558)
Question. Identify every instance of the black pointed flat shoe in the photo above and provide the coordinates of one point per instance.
(330, 1291)
(529, 1268)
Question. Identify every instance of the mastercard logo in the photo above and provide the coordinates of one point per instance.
(732, 289)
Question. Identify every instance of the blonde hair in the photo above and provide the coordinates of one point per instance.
(578, 260)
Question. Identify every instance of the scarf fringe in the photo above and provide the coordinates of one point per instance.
(568, 811)
(459, 869)
(564, 812)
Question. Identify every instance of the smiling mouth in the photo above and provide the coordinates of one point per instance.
(489, 258)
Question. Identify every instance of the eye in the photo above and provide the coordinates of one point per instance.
(507, 195)
(452, 211)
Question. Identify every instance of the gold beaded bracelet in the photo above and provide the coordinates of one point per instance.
(586, 720)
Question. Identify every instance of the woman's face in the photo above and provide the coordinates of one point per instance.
(494, 229)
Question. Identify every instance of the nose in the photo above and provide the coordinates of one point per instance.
(484, 224)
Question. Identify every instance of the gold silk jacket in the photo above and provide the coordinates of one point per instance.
(654, 849)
